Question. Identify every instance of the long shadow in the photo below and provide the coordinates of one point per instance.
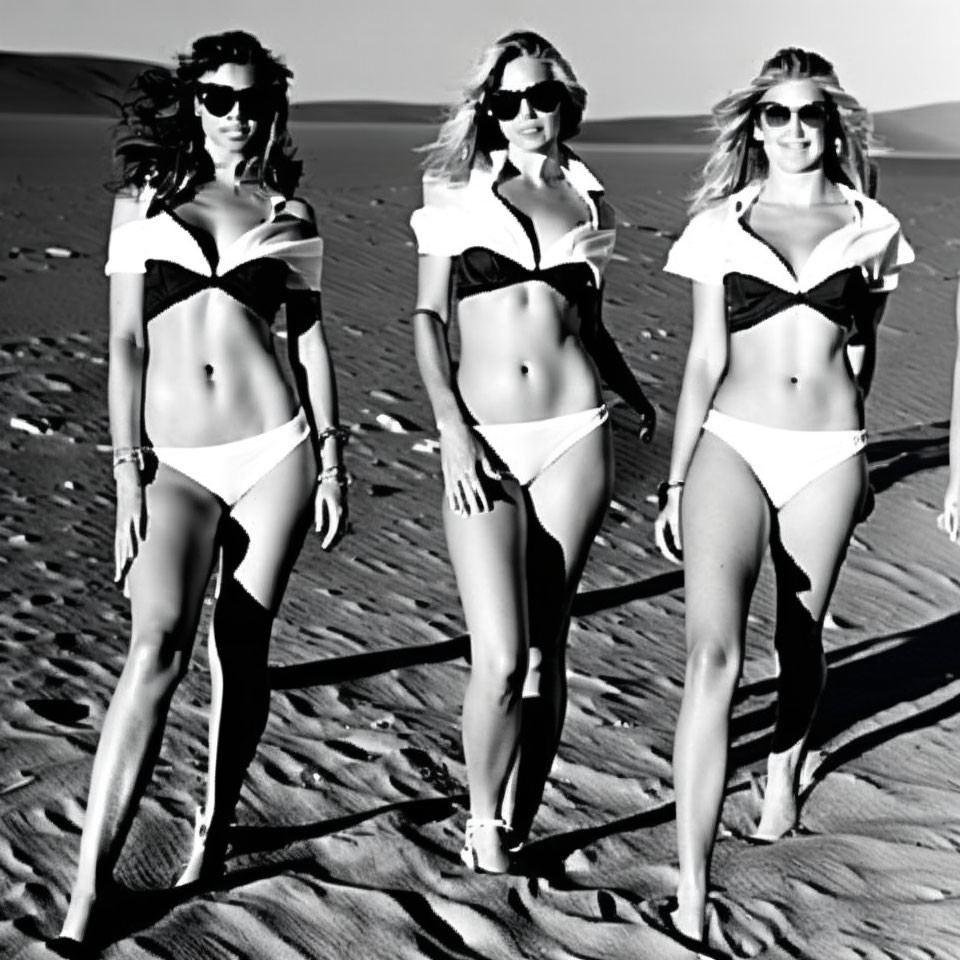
(892, 460)
(545, 858)
(606, 598)
(925, 661)
(358, 666)
(247, 840)
(135, 911)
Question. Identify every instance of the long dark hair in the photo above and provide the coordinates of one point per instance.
(158, 142)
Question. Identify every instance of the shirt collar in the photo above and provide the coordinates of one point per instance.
(501, 169)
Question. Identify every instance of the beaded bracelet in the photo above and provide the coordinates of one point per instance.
(129, 455)
(334, 472)
(663, 488)
(341, 433)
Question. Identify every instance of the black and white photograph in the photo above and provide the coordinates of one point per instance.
(480, 481)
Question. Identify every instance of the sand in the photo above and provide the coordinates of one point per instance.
(351, 817)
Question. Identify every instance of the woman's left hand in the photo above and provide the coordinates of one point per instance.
(330, 508)
(648, 420)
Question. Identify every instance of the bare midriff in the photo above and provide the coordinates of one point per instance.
(212, 375)
(791, 371)
(521, 358)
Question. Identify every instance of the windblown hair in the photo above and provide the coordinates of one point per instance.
(737, 158)
(159, 141)
(468, 133)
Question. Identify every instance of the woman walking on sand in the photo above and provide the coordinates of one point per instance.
(514, 231)
(791, 266)
(216, 454)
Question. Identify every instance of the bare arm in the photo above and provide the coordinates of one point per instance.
(460, 450)
(430, 318)
(612, 366)
(949, 521)
(862, 351)
(312, 366)
(125, 397)
(705, 367)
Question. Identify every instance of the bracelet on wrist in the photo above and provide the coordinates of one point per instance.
(334, 472)
(342, 434)
(133, 455)
(663, 490)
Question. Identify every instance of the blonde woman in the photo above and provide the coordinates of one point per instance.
(514, 232)
(791, 266)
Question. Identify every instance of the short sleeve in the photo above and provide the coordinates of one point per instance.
(883, 273)
(125, 250)
(303, 253)
(306, 265)
(698, 252)
(436, 224)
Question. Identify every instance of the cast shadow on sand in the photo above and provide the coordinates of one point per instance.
(906, 452)
(861, 685)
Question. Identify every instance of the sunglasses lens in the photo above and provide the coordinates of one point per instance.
(775, 114)
(218, 101)
(504, 104)
(812, 115)
(545, 96)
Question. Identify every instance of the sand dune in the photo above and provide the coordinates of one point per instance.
(64, 84)
(350, 821)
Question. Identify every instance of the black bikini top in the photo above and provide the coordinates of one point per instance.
(494, 244)
(478, 270)
(861, 258)
(179, 259)
(751, 300)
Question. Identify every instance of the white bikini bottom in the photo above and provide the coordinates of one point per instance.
(527, 448)
(785, 461)
(229, 470)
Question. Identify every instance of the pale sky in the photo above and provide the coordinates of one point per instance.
(635, 57)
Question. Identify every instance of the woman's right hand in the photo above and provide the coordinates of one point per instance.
(666, 528)
(131, 520)
(949, 520)
(461, 457)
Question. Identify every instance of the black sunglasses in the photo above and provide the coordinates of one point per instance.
(544, 97)
(218, 100)
(812, 114)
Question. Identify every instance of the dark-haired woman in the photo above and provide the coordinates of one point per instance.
(791, 264)
(515, 227)
(218, 459)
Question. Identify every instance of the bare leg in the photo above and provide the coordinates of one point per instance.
(808, 548)
(725, 524)
(568, 502)
(167, 583)
(260, 542)
(487, 553)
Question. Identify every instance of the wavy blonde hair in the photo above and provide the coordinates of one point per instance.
(738, 159)
(468, 133)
